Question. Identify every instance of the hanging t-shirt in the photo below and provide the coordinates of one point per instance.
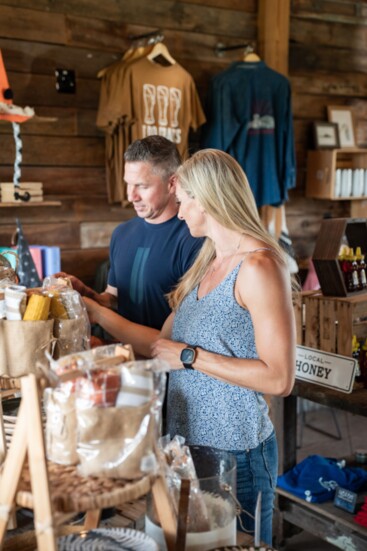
(249, 116)
(161, 100)
(140, 98)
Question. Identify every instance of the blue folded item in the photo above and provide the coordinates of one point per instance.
(316, 478)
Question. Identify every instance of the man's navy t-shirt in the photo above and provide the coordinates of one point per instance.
(147, 260)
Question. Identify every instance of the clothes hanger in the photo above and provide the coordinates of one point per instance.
(250, 56)
(160, 49)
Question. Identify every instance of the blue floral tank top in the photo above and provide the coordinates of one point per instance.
(204, 410)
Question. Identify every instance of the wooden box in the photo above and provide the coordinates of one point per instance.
(333, 233)
(329, 323)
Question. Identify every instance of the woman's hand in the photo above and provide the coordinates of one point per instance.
(169, 351)
(93, 309)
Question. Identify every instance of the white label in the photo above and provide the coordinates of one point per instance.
(325, 369)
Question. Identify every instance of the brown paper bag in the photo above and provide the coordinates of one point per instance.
(112, 441)
(22, 345)
(71, 335)
(61, 434)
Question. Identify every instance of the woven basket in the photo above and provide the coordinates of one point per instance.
(73, 493)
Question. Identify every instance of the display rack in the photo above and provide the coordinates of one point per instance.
(37, 484)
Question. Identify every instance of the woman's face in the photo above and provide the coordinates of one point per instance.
(190, 210)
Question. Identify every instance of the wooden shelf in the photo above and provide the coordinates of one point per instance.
(31, 204)
(321, 170)
(324, 519)
(355, 402)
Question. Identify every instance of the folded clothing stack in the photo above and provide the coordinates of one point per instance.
(361, 516)
(316, 478)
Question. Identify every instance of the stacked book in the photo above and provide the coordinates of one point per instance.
(33, 189)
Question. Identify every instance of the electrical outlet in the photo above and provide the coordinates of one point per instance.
(65, 81)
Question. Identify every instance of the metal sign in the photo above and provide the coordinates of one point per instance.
(325, 369)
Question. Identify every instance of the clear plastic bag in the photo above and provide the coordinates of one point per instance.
(59, 402)
(72, 329)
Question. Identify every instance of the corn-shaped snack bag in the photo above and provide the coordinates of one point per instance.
(38, 308)
(58, 310)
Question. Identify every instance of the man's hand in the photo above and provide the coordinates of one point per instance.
(77, 284)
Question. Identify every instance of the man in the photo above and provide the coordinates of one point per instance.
(149, 253)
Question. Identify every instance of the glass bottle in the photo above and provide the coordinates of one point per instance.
(361, 268)
(352, 272)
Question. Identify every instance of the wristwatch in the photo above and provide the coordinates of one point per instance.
(188, 356)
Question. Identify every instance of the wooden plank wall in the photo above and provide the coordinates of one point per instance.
(327, 66)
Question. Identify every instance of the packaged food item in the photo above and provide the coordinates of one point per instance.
(91, 370)
(61, 437)
(15, 302)
(118, 440)
(38, 308)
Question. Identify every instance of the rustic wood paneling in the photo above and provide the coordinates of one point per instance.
(40, 90)
(96, 234)
(25, 56)
(55, 151)
(338, 10)
(166, 14)
(61, 181)
(29, 24)
(83, 262)
(65, 235)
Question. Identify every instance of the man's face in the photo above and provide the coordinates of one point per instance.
(147, 191)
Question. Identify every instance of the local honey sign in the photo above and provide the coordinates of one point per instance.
(325, 369)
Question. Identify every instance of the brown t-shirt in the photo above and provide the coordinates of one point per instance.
(146, 99)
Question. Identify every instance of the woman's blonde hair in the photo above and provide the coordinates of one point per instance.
(220, 185)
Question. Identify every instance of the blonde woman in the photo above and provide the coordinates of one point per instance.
(231, 336)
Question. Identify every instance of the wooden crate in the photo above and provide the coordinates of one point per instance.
(333, 233)
(328, 323)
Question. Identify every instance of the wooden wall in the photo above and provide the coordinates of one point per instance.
(327, 66)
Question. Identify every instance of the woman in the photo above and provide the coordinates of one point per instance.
(231, 336)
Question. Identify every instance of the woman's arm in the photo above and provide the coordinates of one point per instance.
(263, 288)
(140, 337)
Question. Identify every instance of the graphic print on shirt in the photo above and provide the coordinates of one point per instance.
(263, 121)
(167, 102)
(137, 275)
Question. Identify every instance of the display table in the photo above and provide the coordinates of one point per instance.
(323, 520)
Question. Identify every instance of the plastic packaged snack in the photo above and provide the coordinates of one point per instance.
(118, 440)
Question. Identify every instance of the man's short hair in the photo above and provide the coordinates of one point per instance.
(158, 151)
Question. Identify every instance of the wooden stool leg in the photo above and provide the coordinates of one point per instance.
(12, 469)
(165, 513)
(92, 519)
(43, 518)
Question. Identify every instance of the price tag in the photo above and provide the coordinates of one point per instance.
(345, 499)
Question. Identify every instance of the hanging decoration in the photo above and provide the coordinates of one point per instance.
(15, 115)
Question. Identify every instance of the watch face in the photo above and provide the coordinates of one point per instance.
(187, 355)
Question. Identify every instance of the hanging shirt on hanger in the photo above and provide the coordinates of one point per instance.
(249, 116)
(161, 100)
(140, 98)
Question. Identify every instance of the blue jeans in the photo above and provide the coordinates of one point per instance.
(257, 471)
